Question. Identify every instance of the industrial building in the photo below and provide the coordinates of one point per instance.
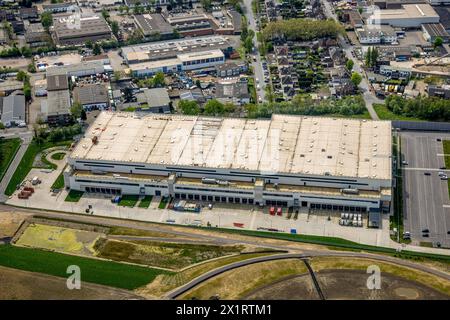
(295, 161)
(56, 108)
(80, 31)
(152, 25)
(409, 16)
(92, 96)
(172, 48)
(432, 31)
(183, 62)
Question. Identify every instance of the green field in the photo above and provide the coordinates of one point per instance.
(108, 273)
(74, 196)
(8, 149)
(145, 202)
(128, 201)
(163, 203)
(26, 163)
(385, 114)
(161, 254)
(446, 144)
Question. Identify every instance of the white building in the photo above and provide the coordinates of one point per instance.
(409, 16)
(371, 34)
(183, 62)
(299, 161)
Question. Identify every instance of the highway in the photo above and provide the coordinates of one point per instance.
(257, 66)
(369, 97)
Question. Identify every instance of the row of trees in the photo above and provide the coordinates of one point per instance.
(16, 52)
(302, 29)
(212, 108)
(57, 134)
(428, 108)
(371, 57)
(305, 105)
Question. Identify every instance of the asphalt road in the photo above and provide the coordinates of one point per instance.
(426, 200)
(369, 97)
(257, 66)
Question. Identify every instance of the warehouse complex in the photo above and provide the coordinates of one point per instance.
(295, 161)
(408, 16)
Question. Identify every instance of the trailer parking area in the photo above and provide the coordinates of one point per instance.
(425, 197)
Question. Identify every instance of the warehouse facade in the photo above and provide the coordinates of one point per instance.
(294, 161)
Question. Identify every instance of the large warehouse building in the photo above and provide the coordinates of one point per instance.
(299, 161)
(409, 16)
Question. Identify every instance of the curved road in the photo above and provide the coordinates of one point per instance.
(308, 254)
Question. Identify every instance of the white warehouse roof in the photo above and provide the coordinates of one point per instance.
(284, 144)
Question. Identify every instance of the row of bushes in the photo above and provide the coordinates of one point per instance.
(427, 108)
(304, 105)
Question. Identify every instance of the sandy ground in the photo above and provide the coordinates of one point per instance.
(9, 223)
(21, 285)
(19, 63)
(345, 284)
(352, 284)
(291, 288)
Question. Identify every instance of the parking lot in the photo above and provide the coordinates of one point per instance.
(320, 223)
(425, 197)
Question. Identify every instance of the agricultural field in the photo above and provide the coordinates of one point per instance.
(60, 239)
(94, 270)
(161, 254)
(46, 287)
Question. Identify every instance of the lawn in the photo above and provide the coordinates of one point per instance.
(385, 114)
(108, 273)
(8, 149)
(163, 203)
(59, 182)
(145, 202)
(161, 254)
(58, 155)
(26, 163)
(74, 196)
(128, 201)
(446, 144)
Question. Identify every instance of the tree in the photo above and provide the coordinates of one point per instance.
(115, 28)
(21, 76)
(97, 49)
(438, 42)
(83, 115)
(128, 94)
(76, 109)
(206, 4)
(356, 78)
(117, 75)
(31, 68)
(214, 108)
(46, 20)
(158, 80)
(349, 64)
(189, 107)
